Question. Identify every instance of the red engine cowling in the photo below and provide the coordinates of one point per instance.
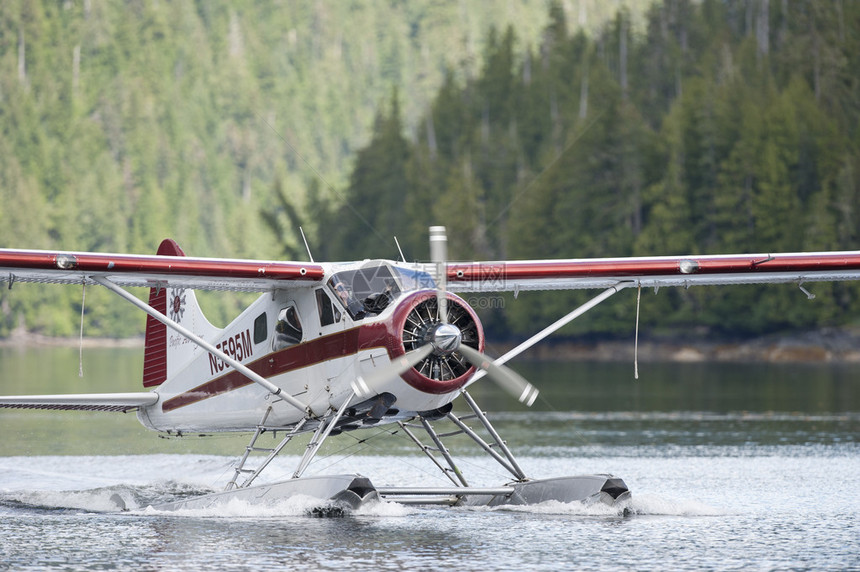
(415, 320)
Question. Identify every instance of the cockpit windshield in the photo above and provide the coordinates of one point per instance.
(414, 279)
(368, 290)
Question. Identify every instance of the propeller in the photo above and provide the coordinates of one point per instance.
(505, 377)
(363, 386)
(444, 339)
(439, 257)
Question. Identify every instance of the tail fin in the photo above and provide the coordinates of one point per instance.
(164, 352)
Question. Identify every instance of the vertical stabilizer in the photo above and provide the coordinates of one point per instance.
(165, 351)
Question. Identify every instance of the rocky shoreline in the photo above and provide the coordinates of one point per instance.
(826, 345)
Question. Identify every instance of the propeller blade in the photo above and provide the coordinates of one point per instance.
(508, 379)
(365, 386)
(439, 256)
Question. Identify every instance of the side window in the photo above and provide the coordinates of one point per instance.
(261, 329)
(328, 314)
(288, 330)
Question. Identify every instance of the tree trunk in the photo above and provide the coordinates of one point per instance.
(22, 60)
(762, 29)
(622, 43)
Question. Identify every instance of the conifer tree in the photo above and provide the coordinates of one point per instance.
(376, 194)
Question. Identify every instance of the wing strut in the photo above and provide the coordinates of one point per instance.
(241, 368)
(553, 327)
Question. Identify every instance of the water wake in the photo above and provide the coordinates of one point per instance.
(660, 506)
(643, 505)
(115, 498)
(295, 506)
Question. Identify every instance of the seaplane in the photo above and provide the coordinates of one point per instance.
(330, 348)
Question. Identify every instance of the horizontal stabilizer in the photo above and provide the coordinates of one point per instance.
(80, 402)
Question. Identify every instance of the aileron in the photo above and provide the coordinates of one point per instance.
(120, 402)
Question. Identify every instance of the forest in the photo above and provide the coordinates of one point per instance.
(724, 126)
(541, 130)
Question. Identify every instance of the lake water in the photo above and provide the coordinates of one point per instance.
(752, 467)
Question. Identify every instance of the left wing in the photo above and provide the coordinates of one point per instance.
(653, 271)
(81, 402)
(154, 270)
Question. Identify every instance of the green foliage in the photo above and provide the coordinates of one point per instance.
(124, 123)
(530, 130)
(376, 195)
(704, 132)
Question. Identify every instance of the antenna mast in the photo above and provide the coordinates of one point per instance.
(308, 248)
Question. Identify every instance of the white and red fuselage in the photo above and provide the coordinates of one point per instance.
(311, 341)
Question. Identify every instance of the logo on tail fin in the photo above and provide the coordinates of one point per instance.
(177, 305)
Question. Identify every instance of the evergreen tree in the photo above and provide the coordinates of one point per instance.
(376, 194)
(700, 127)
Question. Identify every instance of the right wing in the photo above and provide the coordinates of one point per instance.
(517, 275)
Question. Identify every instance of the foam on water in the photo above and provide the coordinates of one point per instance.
(561, 508)
(115, 498)
(649, 504)
(294, 506)
(683, 484)
(385, 509)
(298, 505)
(139, 501)
(109, 499)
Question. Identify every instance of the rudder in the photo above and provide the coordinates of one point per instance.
(165, 353)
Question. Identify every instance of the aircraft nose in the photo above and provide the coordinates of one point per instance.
(446, 338)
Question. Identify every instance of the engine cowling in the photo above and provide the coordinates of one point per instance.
(417, 322)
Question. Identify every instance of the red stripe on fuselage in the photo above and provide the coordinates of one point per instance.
(340, 344)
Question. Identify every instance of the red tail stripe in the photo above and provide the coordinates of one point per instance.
(155, 351)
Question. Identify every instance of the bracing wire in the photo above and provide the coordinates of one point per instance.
(81, 339)
(636, 337)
